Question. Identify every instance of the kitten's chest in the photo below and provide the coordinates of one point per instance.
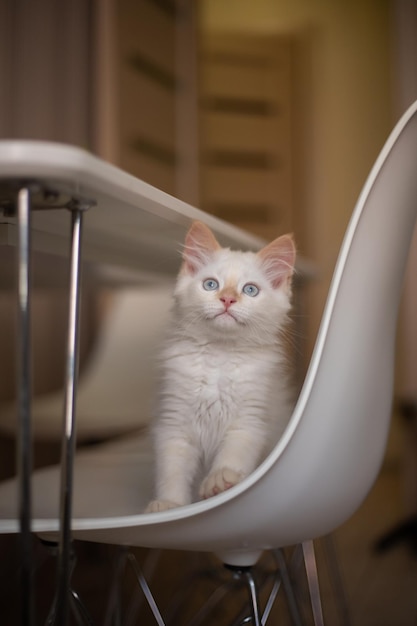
(217, 383)
(214, 376)
(216, 397)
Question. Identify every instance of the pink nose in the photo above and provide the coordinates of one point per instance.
(228, 301)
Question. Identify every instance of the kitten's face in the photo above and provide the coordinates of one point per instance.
(229, 294)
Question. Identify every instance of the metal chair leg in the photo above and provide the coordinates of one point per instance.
(113, 610)
(289, 592)
(79, 610)
(146, 590)
(149, 568)
(251, 613)
(215, 598)
(271, 599)
(253, 594)
(337, 579)
(313, 582)
(245, 575)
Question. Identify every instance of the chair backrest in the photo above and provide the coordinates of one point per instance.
(330, 455)
(331, 452)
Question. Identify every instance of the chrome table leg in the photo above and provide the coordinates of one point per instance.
(68, 440)
(24, 384)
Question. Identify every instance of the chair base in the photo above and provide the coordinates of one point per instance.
(256, 580)
(228, 594)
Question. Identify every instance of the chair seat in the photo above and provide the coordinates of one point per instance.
(110, 480)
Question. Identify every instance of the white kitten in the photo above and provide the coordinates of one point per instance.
(224, 398)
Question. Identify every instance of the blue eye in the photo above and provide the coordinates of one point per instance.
(250, 290)
(210, 284)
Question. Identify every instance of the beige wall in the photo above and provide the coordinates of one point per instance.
(350, 108)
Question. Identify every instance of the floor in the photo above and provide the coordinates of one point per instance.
(380, 588)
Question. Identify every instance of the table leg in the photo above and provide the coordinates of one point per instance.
(68, 441)
(24, 390)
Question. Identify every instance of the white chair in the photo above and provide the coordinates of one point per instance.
(331, 452)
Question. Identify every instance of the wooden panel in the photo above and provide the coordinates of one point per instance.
(148, 30)
(156, 93)
(230, 185)
(245, 65)
(236, 81)
(150, 170)
(246, 131)
(147, 110)
(148, 90)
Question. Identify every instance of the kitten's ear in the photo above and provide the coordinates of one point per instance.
(200, 243)
(278, 259)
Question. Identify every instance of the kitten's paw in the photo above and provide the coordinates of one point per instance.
(156, 506)
(219, 481)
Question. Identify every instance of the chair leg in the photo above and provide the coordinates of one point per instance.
(251, 613)
(113, 610)
(271, 598)
(254, 597)
(254, 615)
(215, 598)
(79, 610)
(313, 582)
(289, 592)
(149, 567)
(146, 590)
(245, 574)
(337, 579)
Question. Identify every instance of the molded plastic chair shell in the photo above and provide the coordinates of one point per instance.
(331, 452)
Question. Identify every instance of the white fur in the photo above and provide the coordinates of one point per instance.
(224, 394)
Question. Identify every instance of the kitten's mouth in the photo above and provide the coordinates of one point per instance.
(227, 315)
